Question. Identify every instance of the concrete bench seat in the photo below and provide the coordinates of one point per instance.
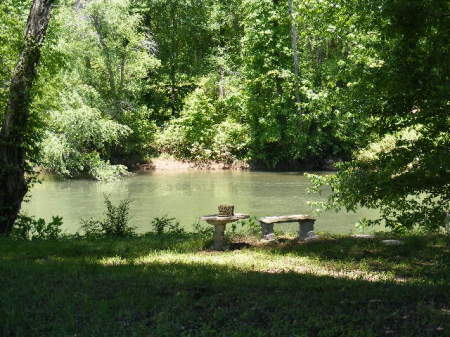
(305, 222)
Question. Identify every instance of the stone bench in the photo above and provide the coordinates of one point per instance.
(305, 222)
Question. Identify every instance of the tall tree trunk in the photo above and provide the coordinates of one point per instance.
(13, 183)
(294, 39)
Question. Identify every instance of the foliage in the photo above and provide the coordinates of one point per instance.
(165, 224)
(245, 228)
(114, 224)
(183, 43)
(12, 18)
(406, 95)
(30, 228)
(99, 117)
(209, 127)
(253, 79)
(77, 140)
(204, 231)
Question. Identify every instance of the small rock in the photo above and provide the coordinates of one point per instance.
(310, 236)
(392, 242)
(363, 236)
(269, 237)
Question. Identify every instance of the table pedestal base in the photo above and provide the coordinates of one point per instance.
(219, 237)
(220, 223)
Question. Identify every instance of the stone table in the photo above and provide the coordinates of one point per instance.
(220, 222)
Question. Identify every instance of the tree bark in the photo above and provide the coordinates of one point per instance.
(294, 39)
(13, 183)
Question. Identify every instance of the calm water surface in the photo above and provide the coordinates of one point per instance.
(186, 195)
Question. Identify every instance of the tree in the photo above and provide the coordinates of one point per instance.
(404, 90)
(294, 40)
(183, 42)
(97, 119)
(17, 127)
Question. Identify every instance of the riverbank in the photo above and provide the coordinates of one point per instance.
(171, 285)
(169, 163)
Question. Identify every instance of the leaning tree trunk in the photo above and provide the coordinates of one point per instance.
(13, 183)
(294, 40)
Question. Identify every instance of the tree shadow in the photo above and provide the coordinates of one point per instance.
(63, 297)
(417, 256)
(131, 247)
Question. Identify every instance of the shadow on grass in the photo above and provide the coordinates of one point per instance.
(418, 256)
(92, 249)
(66, 297)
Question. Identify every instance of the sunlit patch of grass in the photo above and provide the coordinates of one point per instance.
(113, 261)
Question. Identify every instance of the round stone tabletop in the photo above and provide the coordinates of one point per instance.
(217, 219)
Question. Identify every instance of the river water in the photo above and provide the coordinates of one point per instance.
(186, 195)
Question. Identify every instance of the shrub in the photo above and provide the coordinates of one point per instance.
(30, 228)
(115, 223)
(231, 141)
(205, 231)
(248, 227)
(165, 224)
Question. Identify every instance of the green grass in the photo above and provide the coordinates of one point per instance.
(171, 286)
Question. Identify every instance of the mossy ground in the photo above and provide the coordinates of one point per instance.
(169, 285)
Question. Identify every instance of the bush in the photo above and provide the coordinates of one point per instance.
(205, 231)
(115, 223)
(248, 227)
(30, 228)
(165, 224)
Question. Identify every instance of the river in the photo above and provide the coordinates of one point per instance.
(186, 195)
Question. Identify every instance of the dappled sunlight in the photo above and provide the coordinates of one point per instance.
(254, 261)
(419, 258)
(144, 284)
(417, 261)
(113, 261)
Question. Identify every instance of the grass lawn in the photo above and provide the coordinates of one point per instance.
(170, 286)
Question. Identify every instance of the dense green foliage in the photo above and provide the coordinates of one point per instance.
(100, 117)
(209, 127)
(11, 26)
(30, 228)
(406, 94)
(253, 89)
(124, 80)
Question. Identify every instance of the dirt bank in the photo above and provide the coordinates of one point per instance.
(170, 164)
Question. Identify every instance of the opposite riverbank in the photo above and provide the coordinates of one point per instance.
(169, 163)
(172, 285)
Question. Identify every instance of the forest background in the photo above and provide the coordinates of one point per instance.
(267, 83)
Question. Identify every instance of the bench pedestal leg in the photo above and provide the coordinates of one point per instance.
(267, 229)
(219, 236)
(304, 227)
